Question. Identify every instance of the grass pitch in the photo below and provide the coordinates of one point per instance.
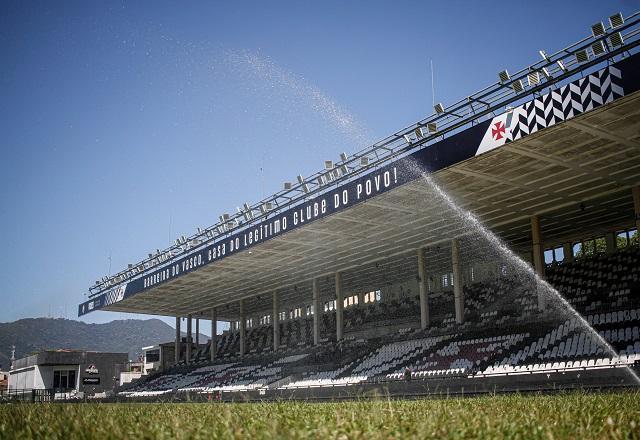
(574, 415)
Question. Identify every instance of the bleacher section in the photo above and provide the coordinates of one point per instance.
(503, 334)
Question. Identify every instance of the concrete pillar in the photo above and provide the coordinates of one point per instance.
(189, 339)
(178, 341)
(339, 306)
(243, 328)
(538, 250)
(423, 289)
(214, 333)
(636, 206)
(276, 322)
(316, 312)
(610, 239)
(458, 292)
(567, 250)
(198, 333)
(538, 255)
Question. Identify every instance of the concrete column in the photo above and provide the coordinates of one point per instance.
(458, 292)
(316, 312)
(243, 328)
(214, 333)
(339, 306)
(636, 206)
(423, 288)
(189, 339)
(567, 249)
(538, 251)
(610, 239)
(538, 255)
(178, 341)
(276, 321)
(198, 333)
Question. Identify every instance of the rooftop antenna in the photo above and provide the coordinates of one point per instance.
(433, 93)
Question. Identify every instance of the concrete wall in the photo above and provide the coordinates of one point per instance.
(22, 379)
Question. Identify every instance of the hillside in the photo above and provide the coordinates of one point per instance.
(35, 334)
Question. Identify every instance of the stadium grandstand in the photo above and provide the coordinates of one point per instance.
(493, 244)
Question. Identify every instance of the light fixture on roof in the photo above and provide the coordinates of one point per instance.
(150, 255)
(322, 180)
(407, 138)
(533, 78)
(265, 207)
(616, 39)
(504, 76)
(597, 30)
(419, 132)
(199, 230)
(328, 164)
(439, 108)
(545, 72)
(582, 56)
(364, 161)
(130, 266)
(301, 181)
(343, 168)
(246, 212)
(517, 86)
(432, 127)
(544, 55)
(616, 20)
(287, 186)
(561, 65)
(598, 48)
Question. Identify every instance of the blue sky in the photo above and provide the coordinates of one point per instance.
(126, 125)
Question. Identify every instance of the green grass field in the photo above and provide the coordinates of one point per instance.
(575, 415)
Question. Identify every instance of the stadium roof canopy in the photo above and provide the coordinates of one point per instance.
(567, 153)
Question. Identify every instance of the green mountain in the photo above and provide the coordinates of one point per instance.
(36, 334)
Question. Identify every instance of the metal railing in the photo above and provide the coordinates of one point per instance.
(28, 395)
(617, 39)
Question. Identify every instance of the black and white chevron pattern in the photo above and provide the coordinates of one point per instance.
(115, 295)
(567, 102)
